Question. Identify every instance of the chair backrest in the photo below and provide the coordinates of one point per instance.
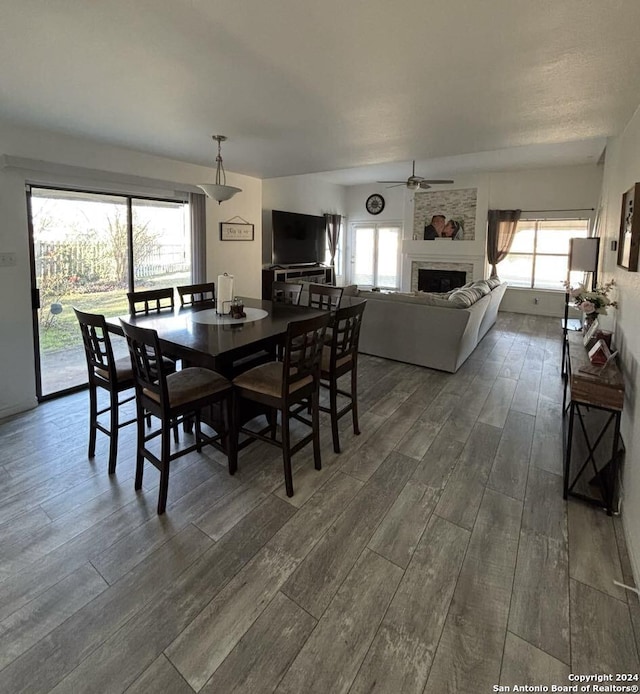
(345, 334)
(324, 296)
(146, 360)
(286, 293)
(303, 350)
(151, 301)
(192, 294)
(97, 345)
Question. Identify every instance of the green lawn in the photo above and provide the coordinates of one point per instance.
(64, 331)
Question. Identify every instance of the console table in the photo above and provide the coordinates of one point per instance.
(318, 274)
(591, 426)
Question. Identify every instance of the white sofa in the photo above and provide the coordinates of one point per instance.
(438, 331)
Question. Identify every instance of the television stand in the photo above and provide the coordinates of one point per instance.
(318, 274)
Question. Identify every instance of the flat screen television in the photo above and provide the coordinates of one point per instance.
(298, 239)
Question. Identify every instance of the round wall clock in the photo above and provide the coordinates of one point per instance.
(375, 204)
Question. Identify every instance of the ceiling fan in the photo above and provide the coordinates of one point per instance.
(415, 182)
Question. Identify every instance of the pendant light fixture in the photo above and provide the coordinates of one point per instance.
(219, 190)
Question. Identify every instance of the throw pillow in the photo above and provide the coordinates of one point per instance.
(483, 286)
(465, 297)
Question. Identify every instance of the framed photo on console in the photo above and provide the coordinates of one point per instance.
(236, 231)
(591, 336)
(629, 239)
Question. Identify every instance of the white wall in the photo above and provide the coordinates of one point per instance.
(622, 171)
(17, 377)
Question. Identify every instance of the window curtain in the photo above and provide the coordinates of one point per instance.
(198, 212)
(333, 222)
(500, 234)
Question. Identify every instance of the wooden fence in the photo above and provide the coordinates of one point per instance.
(94, 261)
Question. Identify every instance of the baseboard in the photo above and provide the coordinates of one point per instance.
(632, 558)
(17, 409)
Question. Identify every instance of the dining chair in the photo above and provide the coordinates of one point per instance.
(339, 358)
(286, 293)
(281, 385)
(172, 398)
(325, 296)
(104, 371)
(153, 301)
(150, 301)
(193, 294)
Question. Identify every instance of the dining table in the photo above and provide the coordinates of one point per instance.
(200, 336)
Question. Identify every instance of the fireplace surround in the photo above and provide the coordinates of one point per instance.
(431, 280)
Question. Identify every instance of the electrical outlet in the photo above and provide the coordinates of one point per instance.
(535, 301)
(7, 259)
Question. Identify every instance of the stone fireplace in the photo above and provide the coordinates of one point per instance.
(440, 280)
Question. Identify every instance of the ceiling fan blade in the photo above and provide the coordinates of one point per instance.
(436, 181)
(423, 185)
(397, 185)
(390, 181)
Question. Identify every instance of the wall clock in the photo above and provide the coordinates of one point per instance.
(375, 204)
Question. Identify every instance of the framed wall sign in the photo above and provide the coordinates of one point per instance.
(629, 239)
(236, 231)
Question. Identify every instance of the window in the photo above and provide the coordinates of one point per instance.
(539, 254)
(374, 260)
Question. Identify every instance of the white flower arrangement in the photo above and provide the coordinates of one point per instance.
(592, 302)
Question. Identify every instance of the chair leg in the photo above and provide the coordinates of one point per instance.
(354, 401)
(140, 448)
(198, 432)
(315, 424)
(333, 407)
(176, 436)
(113, 435)
(286, 454)
(272, 421)
(164, 470)
(93, 416)
(231, 442)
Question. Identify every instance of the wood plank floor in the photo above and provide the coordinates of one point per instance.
(433, 554)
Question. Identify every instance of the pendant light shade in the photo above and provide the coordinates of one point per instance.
(219, 190)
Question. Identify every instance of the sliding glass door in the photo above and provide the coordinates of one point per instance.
(89, 250)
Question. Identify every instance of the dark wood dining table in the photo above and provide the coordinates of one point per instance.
(226, 347)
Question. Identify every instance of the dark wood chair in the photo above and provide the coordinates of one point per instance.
(194, 294)
(172, 397)
(281, 385)
(150, 301)
(339, 358)
(153, 301)
(104, 371)
(325, 296)
(286, 293)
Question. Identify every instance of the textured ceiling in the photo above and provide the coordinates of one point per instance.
(301, 87)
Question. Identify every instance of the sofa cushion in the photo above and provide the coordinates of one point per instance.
(463, 298)
(424, 298)
(494, 282)
(483, 286)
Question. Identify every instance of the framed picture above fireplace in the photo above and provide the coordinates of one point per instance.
(445, 214)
